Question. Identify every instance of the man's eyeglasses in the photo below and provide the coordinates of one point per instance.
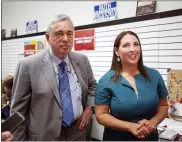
(74, 83)
(61, 34)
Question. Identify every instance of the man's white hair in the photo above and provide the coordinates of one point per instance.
(57, 18)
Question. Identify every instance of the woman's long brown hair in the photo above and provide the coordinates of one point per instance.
(117, 67)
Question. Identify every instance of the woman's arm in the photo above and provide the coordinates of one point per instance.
(162, 106)
(104, 118)
(107, 120)
(158, 117)
(161, 113)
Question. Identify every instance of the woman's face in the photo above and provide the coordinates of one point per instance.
(129, 50)
(7, 92)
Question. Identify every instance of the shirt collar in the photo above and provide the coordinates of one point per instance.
(56, 61)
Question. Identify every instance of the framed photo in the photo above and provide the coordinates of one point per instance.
(3, 33)
(145, 7)
(13, 32)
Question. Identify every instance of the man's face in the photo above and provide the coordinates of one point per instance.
(61, 38)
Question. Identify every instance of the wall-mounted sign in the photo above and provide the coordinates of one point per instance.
(105, 12)
(33, 47)
(174, 83)
(84, 40)
(145, 7)
(31, 27)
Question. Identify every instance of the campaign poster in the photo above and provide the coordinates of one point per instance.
(29, 48)
(105, 12)
(84, 40)
(33, 47)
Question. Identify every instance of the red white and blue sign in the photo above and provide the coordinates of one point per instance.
(105, 12)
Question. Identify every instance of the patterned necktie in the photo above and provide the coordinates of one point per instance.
(65, 95)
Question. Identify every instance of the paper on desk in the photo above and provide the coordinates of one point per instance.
(168, 134)
(172, 125)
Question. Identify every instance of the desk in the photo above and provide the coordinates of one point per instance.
(173, 125)
(97, 130)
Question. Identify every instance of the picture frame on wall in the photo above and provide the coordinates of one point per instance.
(13, 32)
(3, 33)
(145, 7)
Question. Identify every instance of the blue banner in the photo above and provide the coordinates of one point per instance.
(104, 12)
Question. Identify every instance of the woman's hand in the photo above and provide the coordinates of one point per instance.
(141, 133)
(149, 124)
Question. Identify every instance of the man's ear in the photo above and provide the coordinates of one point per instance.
(47, 36)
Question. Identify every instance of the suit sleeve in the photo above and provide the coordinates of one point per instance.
(21, 93)
(91, 84)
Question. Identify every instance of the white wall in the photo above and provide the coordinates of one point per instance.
(15, 14)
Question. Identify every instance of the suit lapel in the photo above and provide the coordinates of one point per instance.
(49, 73)
(77, 68)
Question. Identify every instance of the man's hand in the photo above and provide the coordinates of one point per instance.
(6, 136)
(151, 126)
(85, 118)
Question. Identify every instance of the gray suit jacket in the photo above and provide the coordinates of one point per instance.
(35, 95)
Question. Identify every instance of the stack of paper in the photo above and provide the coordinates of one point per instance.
(168, 135)
(172, 125)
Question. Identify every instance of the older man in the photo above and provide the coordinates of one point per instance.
(52, 89)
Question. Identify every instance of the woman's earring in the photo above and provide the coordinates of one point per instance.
(118, 59)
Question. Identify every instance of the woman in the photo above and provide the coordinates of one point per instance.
(3, 95)
(131, 99)
(7, 85)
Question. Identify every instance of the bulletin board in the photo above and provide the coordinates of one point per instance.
(174, 79)
(33, 47)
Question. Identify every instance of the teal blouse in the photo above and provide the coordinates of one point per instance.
(124, 103)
